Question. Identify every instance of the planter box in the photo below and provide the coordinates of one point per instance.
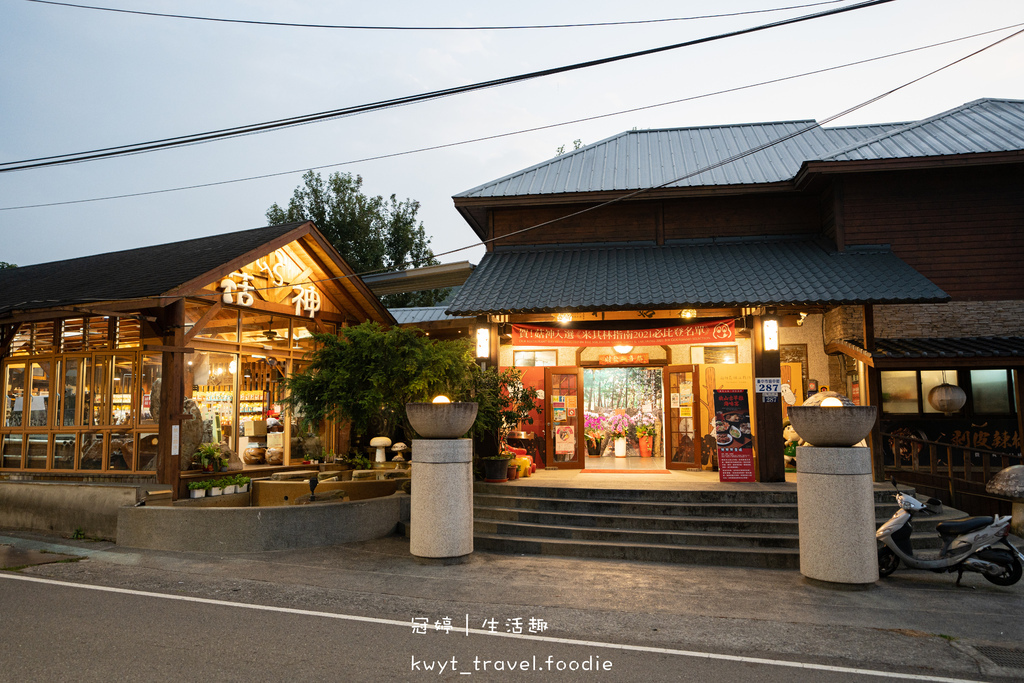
(216, 491)
(228, 490)
(242, 488)
(197, 493)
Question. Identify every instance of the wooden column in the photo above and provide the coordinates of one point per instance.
(874, 397)
(767, 416)
(172, 393)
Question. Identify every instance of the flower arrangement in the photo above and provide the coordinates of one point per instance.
(593, 426)
(618, 425)
(645, 424)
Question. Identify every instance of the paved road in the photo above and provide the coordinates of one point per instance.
(650, 622)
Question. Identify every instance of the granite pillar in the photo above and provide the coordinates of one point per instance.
(441, 515)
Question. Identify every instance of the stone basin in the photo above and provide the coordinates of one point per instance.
(441, 420)
(832, 426)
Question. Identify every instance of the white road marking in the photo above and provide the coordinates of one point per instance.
(482, 632)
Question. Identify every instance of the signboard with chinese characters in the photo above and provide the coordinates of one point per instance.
(624, 359)
(277, 278)
(733, 435)
(694, 333)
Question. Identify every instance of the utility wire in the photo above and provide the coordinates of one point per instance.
(198, 138)
(356, 27)
(705, 169)
(522, 131)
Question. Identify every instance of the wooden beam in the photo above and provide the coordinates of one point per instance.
(7, 336)
(172, 393)
(200, 324)
(771, 465)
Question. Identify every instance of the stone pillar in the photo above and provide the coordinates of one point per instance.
(441, 516)
(836, 508)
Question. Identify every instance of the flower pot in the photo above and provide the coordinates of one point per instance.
(216, 491)
(593, 447)
(242, 488)
(495, 470)
(228, 490)
(646, 442)
(620, 447)
(197, 493)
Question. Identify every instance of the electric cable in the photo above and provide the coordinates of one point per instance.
(356, 27)
(509, 133)
(251, 129)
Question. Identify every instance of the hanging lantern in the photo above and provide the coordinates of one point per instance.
(947, 398)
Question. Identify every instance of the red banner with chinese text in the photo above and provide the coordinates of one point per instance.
(694, 333)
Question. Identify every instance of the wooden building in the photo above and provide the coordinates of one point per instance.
(117, 366)
(885, 256)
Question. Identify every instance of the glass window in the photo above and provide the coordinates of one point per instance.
(123, 384)
(265, 330)
(37, 447)
(14, 394)
(990, 390)
(720, 354)
(97, 333)
(92, 452)
(40, 404)
(98, 409)
(64, 451)
(302, 335)
(152, 368)
(222, 327)
(529, 359)
(899, 391)
(129, 333)
(21, 345)
(212, 378)
(10, 451)
(42, 337)
(72, 338)
(147, 452)
(121, 451)
(931, 379)
(70, 391)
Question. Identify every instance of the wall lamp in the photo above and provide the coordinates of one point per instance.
(483, 342)
(770, 338)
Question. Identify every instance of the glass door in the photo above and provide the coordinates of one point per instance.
(563, 417)
(682, 408)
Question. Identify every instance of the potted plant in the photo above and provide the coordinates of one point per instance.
(208, 456)
(197, 489)
(618, 427)
(242, 484)
(593, 429)
(215, 488)
(504, 401)
(645, 429)
(227, 485)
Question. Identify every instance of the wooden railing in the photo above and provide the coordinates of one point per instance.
(955, 464)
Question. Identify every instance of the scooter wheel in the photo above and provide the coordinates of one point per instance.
(887, 561)
(1011, 574)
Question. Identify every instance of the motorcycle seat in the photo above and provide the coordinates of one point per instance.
(962, 526)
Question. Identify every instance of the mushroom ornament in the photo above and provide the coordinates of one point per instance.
(380, 443)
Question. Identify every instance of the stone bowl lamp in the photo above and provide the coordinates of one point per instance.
(828, 419)
(441, 419)
(1010, 483)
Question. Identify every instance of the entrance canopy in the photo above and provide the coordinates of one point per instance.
(698, 273)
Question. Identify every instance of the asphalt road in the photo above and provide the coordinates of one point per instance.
(346, 613)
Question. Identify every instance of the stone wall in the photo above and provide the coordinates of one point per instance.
(954, 319)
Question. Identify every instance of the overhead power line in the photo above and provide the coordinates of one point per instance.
(521, 131)
(199, 138)
(362, 27)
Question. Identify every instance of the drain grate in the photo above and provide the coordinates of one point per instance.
(1003, 656)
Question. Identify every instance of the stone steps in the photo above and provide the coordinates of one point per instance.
(724, 527)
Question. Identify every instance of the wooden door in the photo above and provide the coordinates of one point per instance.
(563, 416)
(683, 419)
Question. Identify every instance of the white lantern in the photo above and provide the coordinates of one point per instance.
(947, 398)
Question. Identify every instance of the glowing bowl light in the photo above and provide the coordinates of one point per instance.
(831, 402)
(622, 348)
(441, 398)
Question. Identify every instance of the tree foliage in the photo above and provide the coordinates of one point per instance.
(5, 264)
(371, 233)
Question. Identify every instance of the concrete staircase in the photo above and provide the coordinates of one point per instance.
(723, 527)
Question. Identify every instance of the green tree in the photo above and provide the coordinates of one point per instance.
(5, 264)
(371, 233)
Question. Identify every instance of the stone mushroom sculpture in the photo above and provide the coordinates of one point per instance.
(380, 443)
(1010, 483)
(399, 450)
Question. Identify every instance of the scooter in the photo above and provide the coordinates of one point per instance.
(967, 544)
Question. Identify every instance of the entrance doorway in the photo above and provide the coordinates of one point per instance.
(623, 414)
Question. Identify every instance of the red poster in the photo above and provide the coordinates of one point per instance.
(694, 333)
(732, 433)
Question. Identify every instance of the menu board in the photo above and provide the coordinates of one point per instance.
(733, 436)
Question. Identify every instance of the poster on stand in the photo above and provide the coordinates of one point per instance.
(733, 435)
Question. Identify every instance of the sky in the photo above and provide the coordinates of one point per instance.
(76, 79)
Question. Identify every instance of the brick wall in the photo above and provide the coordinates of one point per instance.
(954, 319)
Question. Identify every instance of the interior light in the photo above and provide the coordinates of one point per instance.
(441, 398)
(831, 402)
(564, 318)
(688, 313)
(232, 366)
(771, 334)
(622, 348)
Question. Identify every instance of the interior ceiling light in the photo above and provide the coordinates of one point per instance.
(622, 348)
(688, 313)
(564, 318)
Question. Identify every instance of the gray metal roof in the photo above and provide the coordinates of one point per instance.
(642, 159)
(986, 125)
(710, 273)
(421, 314)
(946, 347)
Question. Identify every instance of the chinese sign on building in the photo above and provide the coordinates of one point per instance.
(695, 333)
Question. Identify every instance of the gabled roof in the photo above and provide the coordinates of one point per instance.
(708, 273)
(644, 159)
(986, 125)
(421, 314)
(138, 273)
(890, 352)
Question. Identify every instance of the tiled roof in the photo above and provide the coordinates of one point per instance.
(947, 347)
(421, 314)
(645, 159)
(134, 273)
(738, 272)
